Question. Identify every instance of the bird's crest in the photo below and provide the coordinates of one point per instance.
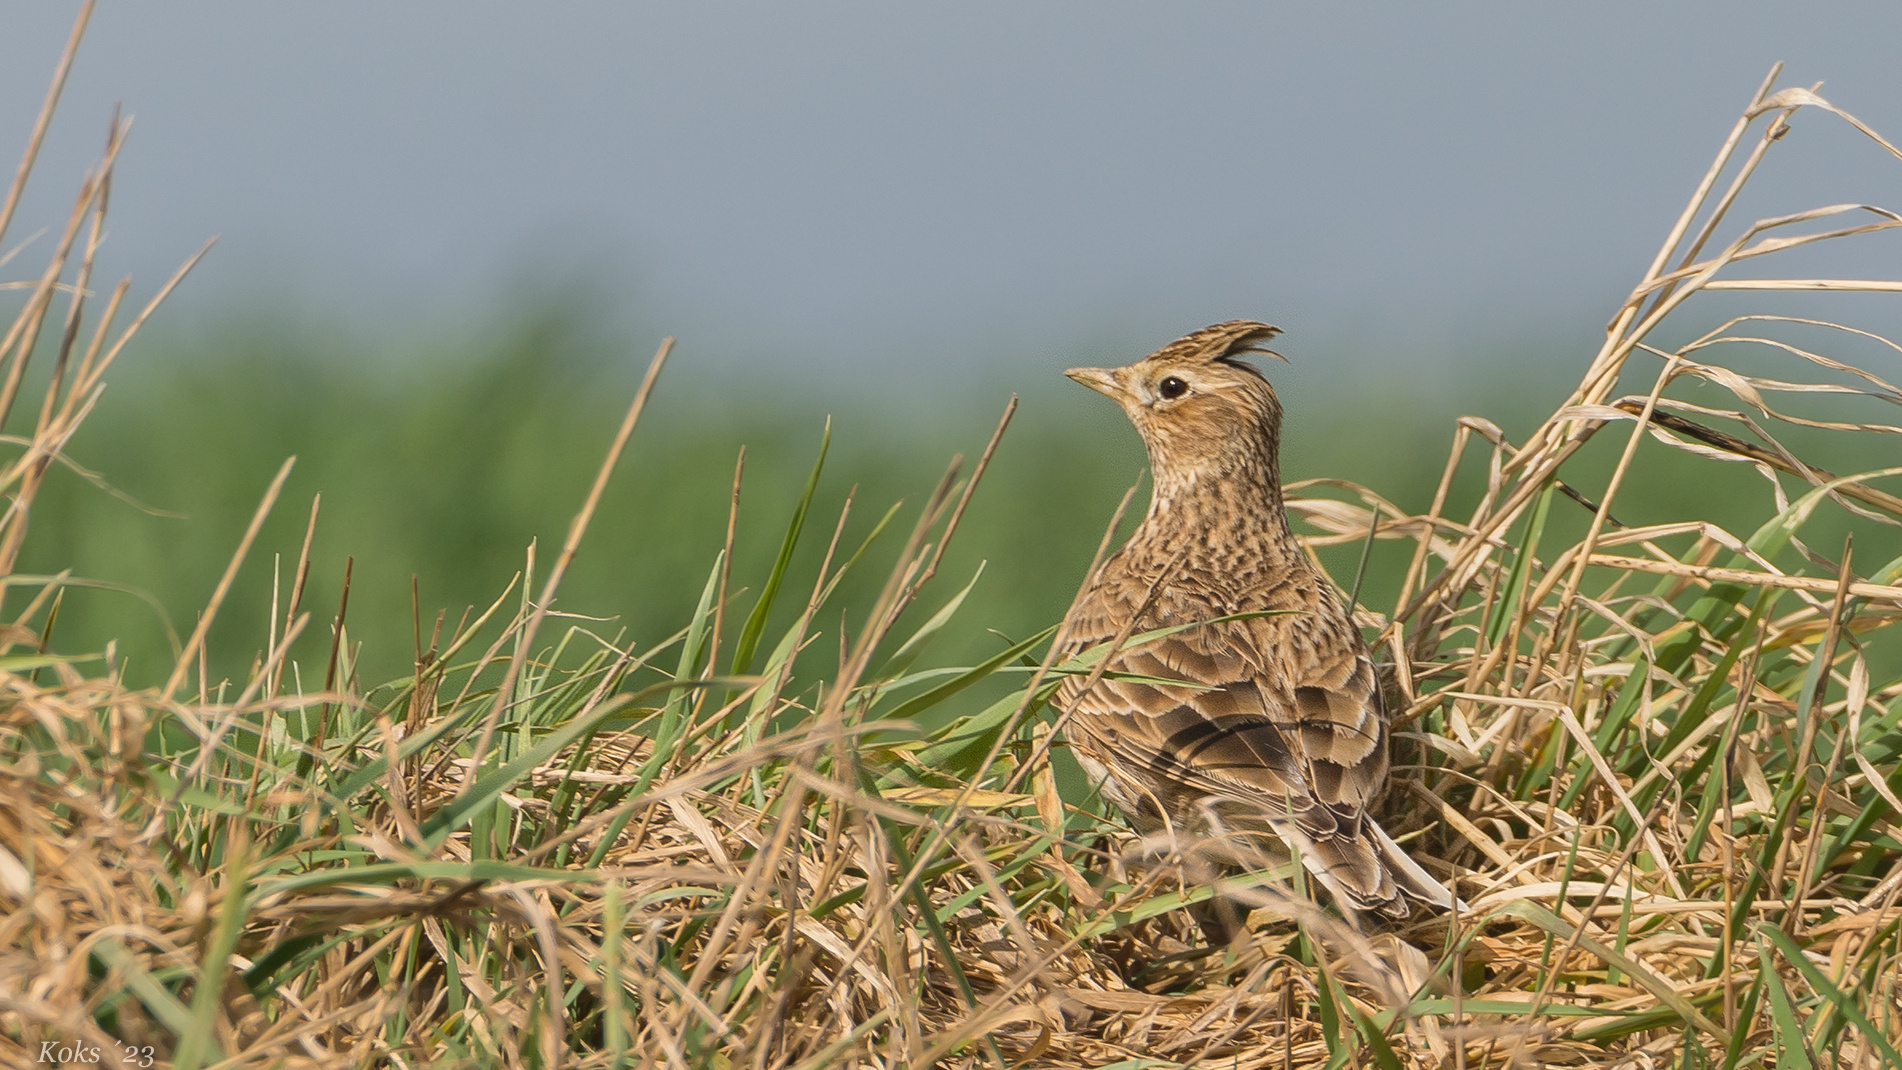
(1224, 343)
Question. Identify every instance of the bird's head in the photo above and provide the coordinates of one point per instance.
(1203, 413)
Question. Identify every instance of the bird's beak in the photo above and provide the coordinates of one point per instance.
(1101, 380)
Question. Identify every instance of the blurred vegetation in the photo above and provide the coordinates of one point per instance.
(444, 458)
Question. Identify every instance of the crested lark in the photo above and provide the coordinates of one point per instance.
(1283, 730)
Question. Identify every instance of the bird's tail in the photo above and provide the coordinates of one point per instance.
(1407, 874)
(1349, 867)
(1366, 874)
(1362, 868)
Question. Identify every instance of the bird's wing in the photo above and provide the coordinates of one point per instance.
(1295, 738)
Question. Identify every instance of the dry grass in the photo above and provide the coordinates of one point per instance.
(1659, 761)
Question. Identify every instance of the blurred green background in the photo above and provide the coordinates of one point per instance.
(449, 246)
(443, 457)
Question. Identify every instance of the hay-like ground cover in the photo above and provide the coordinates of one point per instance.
(1660, 763)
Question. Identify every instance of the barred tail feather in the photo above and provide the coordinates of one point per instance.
(1351, 870)
(1407, 873)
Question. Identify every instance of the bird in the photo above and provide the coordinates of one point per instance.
(1277, 727)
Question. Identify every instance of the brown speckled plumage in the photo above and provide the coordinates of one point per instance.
(1285, 732)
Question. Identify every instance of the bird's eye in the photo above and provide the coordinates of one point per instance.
(1172, 387)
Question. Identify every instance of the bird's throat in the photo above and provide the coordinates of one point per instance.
(1215, 513)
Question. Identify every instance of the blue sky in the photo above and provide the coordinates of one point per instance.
(878, 189)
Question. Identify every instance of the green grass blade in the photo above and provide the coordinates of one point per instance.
(1844, 1002)
(674, 714)
(390, 873)
(1521, 568)
(961, 746)
(908, 652)
(1376, 1039)
(755, 624)
(197, 1043)
(164, 1006)
(1746, 1014)
(490, 785)
(1793, 1049)
(1664, 991)
(917, 704)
